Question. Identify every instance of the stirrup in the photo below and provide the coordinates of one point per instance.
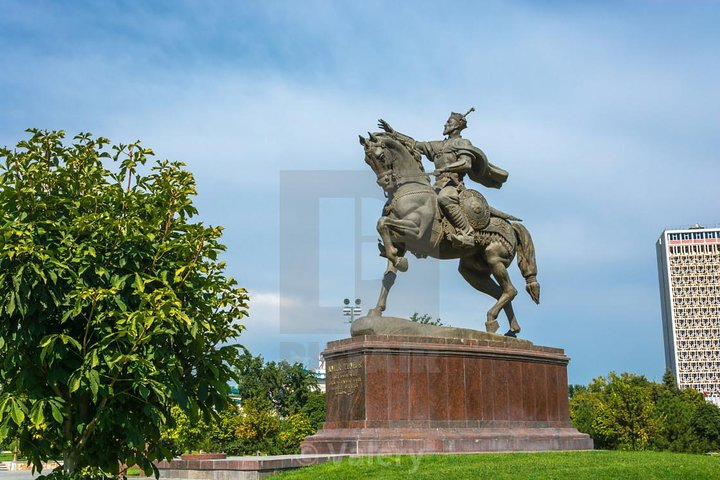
(462, 241)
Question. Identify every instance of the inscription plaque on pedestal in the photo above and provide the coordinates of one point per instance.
(344, 377)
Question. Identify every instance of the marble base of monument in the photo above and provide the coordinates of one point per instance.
(389, 394)
(200, 467)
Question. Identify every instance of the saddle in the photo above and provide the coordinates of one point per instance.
(486, 221)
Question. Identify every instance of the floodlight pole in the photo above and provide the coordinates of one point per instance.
(351, 312)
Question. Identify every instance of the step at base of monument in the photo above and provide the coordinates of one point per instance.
(373, 441)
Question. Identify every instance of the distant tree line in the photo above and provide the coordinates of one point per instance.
(629, 412)
(280, 405)
(425, 319)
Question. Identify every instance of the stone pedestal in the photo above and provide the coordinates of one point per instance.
(403, 394)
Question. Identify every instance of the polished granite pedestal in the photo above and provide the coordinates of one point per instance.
(394, 394)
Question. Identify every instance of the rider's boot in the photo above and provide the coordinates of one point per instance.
(464, 236)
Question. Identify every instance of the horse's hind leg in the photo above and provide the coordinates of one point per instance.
(479, 278)
(387, 283)
(498, 260)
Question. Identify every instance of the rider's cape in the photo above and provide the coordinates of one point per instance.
(484, 172)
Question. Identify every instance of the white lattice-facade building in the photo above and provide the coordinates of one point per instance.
(689, 271)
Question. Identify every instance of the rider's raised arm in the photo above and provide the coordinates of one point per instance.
(429, 149)
(409, 142)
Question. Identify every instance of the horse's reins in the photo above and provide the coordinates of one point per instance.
(403, 179)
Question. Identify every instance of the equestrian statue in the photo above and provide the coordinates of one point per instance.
(447, 220)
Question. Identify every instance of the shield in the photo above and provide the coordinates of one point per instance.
(475, 208)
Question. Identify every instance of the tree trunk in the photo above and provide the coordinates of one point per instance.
(70, 456)
(70, 461)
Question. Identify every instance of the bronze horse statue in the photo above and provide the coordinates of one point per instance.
(412, 222)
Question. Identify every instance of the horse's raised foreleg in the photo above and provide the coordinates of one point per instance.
(388, 226)
(387, 283)
(481, 281)
(391, 250)
(497, 260)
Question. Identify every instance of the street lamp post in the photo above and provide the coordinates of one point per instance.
(350, 311)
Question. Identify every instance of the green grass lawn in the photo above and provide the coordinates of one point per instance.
(134, 472)
(590, 465)
(6, 457)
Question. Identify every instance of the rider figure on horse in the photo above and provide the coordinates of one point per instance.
(454, 157)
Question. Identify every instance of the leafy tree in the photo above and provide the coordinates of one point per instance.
(668, 381)
(258, 429)
(676, 410)
(584, 411)
(251, 378)
(617, 411)
(283, 386)
(705, 423)
(299, 383)
(222, 435)
(574, 389)
(627, 411)
(314, 408)
(425, 319)
(281, 405)
(294, 429)
(113, 303)
(185, 434)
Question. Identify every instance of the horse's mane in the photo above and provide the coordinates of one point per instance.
(405, 143)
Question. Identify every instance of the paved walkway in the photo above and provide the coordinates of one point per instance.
(18, 475)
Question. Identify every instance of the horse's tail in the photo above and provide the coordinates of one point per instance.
(526, 260)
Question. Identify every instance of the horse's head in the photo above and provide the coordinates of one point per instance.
(390, 160)
(380, 159)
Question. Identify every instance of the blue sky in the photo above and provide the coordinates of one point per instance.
(604, 113)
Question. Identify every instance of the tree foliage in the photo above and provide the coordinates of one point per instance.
(281, 404)
(261, 429)
(629, 412)
(113, 302)
(626, 413)
(676, 411)
(314, 408)
(294, 430)
(425, 319)
(258, 428)
(286, 387)
(258, 425)
(217, 435)
(185, 435)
